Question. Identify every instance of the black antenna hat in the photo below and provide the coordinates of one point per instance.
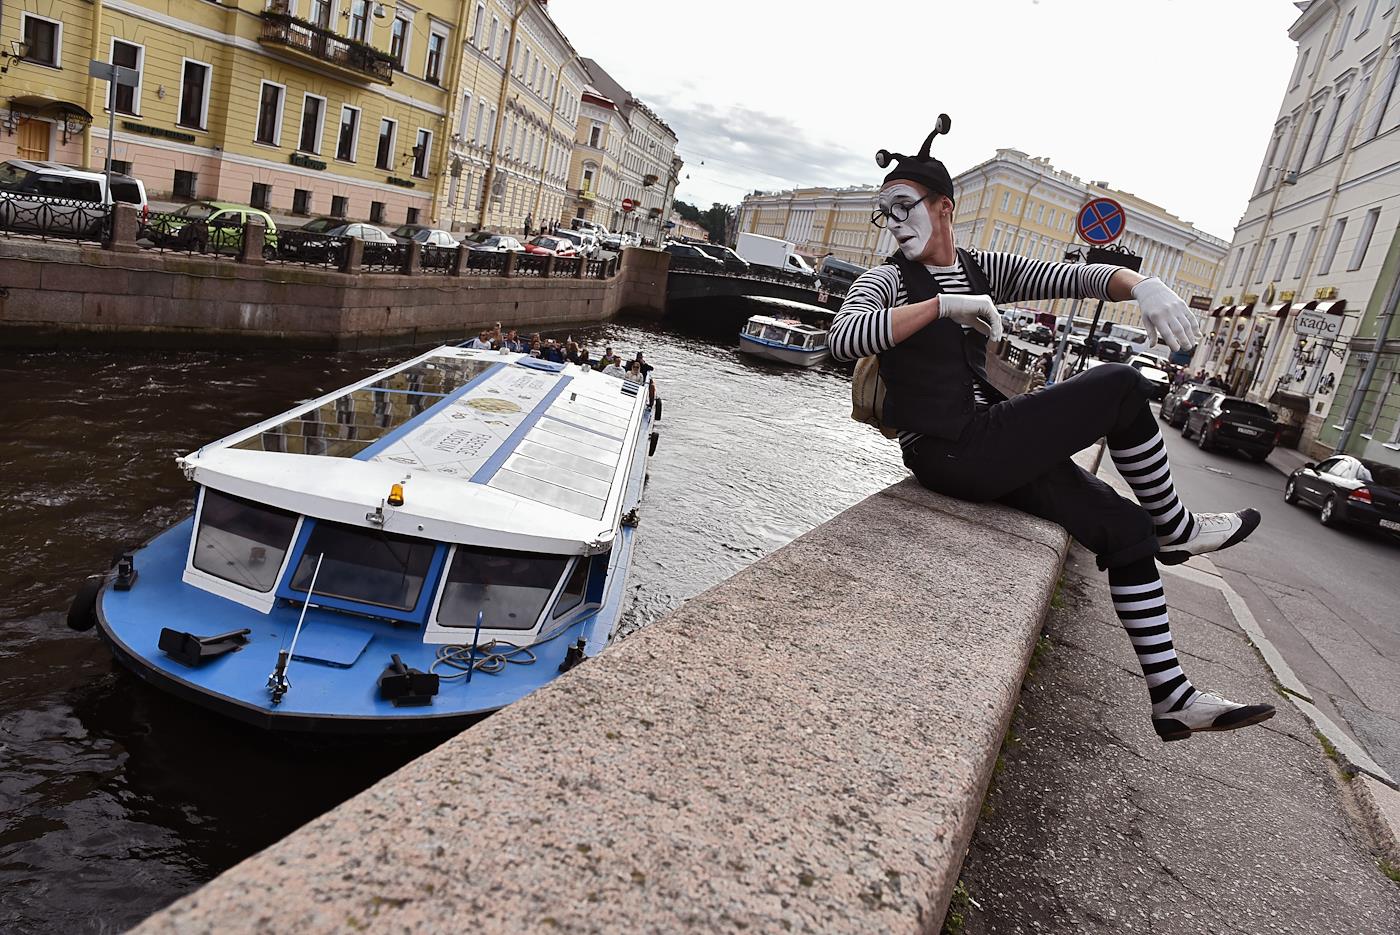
(921, 168)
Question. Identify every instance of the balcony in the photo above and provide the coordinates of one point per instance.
(326, 47)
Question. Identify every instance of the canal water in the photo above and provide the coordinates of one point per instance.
(115, 799)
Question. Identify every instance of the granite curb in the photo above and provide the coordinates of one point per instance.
(804, 747)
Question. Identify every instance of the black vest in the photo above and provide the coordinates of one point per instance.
(929, 375)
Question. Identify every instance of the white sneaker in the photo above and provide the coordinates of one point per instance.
(1214, 531)
(1208, 711)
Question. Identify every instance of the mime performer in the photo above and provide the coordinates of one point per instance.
(928, 313)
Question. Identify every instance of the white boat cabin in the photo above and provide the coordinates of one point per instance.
(787, 332)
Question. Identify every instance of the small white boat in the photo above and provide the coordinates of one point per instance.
(784, 340)
(351, 564)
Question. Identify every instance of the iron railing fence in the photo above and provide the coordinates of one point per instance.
(54, 218)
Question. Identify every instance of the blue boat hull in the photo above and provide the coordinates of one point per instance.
(782, 353)
(324, 697)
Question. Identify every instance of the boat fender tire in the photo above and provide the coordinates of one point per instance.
(82, 613)
(651, 447)
(656, 413)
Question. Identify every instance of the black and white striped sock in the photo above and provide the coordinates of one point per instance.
(1142, 607)
(1146, 469)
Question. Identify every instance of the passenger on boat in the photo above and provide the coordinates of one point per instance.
(482, 341)
(928, 312)
(641, 363)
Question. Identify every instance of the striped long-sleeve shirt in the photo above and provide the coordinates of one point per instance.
(863, 327)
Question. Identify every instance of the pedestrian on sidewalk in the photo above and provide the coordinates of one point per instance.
(927, 314)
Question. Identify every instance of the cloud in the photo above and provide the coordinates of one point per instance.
(758, 148)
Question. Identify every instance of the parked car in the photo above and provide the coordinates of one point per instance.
(612, 242)
(732, 261)
(1150, 360)
(1349, 490)
(1177, 404)
(1230, 422)
(210, 227)
(35, 197)
(425, 235)
(379, 246)
(487, 242)
(549, 245)
(1161, 381)
(695, 255)
(585, 244)
(1113, 350)
(1038, 334)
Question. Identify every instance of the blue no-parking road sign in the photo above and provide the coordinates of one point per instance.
(1101, 221)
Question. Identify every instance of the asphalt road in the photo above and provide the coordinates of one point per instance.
(1328, 598)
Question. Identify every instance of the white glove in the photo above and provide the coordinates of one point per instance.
(972, 311)
(1165, 315)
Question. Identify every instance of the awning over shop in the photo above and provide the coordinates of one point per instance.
(1219, 310)
(49, 107)
(1244, 311)
(1330, 307)
(1280, 310)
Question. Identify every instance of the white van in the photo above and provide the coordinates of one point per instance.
(50, 198)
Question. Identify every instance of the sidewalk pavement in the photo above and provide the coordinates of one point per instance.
(1286, 460)
(1095, 825)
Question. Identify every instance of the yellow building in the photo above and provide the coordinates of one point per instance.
(1011, 203)
(595, 176)
(298, 106)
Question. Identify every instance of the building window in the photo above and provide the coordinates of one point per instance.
(480, 119)
(359, 20)
(1307, 139)
(121, 167)
(194, 95)
(595, 136)
(44, 40)
(505, 42)
(1334, 239)
(128, 56)
(1363, 239)
(411, 216)
(398, 42)
(1268, 255)
(301, 201)
(1342, 35)
(1307, 249)
(463, 124)
(261, 196)
(340, 206)
(1373, 123)
(476, 25)
(348, 140)
(185, 184)
(421, 151)
(384, 155)
(1366, 20)
(270, 113)
(433, 70)
(376, 212)
(491, 39)
(321, 12)
(1283, 260)
(1331, 125)
(313, 116)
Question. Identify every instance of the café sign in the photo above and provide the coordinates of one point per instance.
(1314, 324)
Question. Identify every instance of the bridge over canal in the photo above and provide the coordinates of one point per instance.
(688, 280)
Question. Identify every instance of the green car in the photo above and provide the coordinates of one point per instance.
(209, 227)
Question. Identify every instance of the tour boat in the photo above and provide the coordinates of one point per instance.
(406, 553)
(783, 340)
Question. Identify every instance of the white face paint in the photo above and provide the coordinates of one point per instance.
(914, 234)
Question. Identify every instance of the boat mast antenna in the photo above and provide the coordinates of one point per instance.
(277, 682)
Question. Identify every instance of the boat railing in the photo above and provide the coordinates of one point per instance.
(53, 218)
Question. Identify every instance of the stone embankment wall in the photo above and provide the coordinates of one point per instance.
(804, 748)
(54, 293)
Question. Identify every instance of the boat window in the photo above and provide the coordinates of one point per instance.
(509, 588)
(368, 566)
(242, 541)
(574, 589)
(774, 333)
(345, 425)
(753, 328)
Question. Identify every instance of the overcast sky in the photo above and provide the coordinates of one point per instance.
(1173, 100)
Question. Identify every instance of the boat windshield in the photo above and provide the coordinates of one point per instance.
(509, 588)
(368, 566)
(775, 333)
(242, 541)
(753, 329)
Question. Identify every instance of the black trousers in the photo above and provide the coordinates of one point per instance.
(1018, 452)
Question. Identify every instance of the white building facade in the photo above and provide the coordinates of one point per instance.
(1324, 209)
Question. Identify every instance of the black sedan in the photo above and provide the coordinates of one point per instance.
(1349, 490)
(1038, 334)
(1181, 400)
(1230, 422)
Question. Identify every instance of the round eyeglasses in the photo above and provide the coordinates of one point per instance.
(897, 212)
